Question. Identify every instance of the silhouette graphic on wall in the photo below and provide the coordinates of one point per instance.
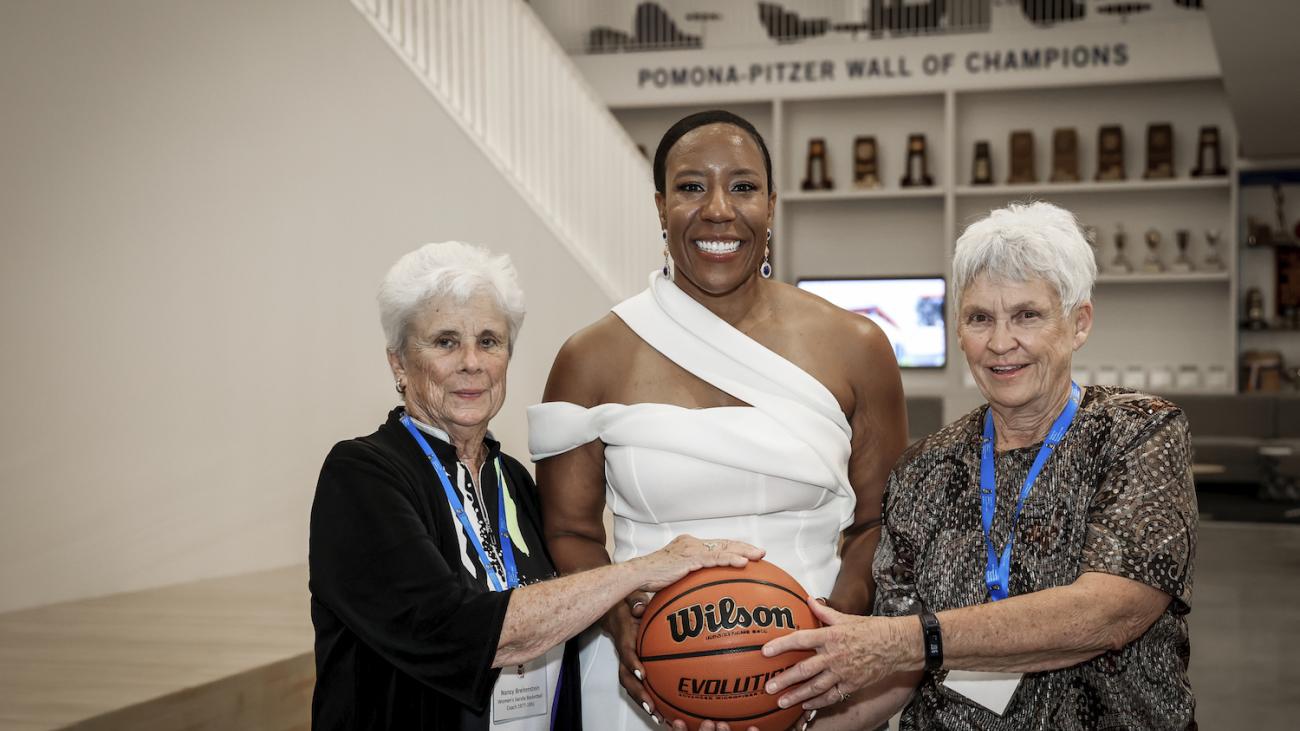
(785, 26)
(1123, 10)
(892, 17)
(653, 30)
(1047, 12)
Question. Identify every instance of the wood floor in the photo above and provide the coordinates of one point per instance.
(232, 653)
(235, 653)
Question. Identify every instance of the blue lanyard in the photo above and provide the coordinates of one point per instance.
(453, 499)
(997, 571)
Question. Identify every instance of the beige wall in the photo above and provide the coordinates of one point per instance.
(197, 201)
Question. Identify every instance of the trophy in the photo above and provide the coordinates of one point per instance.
(1213, 262)
(1160, 151)
(815, 175)
(1182, 264)
(865, 174)
(1151, 264)
(1255, 309)
(1110, 153)
(918, 168)
(1065, 155)
(1022, 158)
(983, 168)
(1120, 262)
(1209, 160)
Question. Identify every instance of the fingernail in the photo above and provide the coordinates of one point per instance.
(784, 703)
(656, 718)
(822, 600)
(648, 712)
(771, 688)
(812, 716)
(640, 677)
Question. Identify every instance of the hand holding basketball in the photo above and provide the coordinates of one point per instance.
(686, 554)
(654, 571)
(852, 652)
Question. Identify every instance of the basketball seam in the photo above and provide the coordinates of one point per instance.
(703, 653)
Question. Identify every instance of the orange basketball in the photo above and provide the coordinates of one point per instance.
(701, 644)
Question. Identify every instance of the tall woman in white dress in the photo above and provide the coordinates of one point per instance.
(718, 402)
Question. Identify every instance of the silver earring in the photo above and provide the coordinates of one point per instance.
(400, 387)
(769, 236)
(766, 269)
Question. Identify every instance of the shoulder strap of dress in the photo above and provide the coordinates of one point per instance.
(691, 336)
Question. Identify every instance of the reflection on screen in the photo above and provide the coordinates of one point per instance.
(908, 309)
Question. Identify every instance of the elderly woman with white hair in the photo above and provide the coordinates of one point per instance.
(433, 597)
(1047, 536)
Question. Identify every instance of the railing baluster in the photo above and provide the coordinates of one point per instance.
(510, 86)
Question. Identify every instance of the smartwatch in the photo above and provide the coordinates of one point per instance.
(933, 639)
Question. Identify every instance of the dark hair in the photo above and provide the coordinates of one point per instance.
(702, 119)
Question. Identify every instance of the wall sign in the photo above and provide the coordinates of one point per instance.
(797, 57)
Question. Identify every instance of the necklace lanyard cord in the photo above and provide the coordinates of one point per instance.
(997, 569)
(499, 582)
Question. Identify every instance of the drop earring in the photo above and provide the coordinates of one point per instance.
(766, 269)
(668, 272)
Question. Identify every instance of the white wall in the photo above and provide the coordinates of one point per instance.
(197, 201)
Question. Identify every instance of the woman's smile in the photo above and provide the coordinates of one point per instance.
(721, 249)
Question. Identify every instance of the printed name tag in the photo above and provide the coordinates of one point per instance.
(521, 695)
(991, 690)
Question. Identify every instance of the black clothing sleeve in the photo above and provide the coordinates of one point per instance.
(376, 566)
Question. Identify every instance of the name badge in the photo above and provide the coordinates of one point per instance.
(521, 692)
(991, 690)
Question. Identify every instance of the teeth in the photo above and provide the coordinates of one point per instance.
(717, 247)
(1004, 369)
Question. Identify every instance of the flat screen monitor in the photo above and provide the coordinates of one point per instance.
(909, 309)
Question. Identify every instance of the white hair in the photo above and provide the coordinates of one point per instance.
(449, 269)
(1026, 241)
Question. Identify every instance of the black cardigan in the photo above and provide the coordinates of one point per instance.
(405, 635)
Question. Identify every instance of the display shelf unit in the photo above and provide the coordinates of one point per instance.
(1257, 264)
(895, 231)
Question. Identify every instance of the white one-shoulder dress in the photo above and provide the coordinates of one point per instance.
(774, 473)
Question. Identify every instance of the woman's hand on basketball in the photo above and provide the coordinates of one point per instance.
(688, 553)
(852, 652)
(622, 628)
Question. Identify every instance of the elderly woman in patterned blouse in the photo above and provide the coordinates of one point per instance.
(1049, 533)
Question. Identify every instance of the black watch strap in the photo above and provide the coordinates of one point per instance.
(933, 639)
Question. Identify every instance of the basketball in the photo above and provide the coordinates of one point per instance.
(701, 642)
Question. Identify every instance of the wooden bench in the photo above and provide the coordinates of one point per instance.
(229, 653)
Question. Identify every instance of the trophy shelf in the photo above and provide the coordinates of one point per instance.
(1165, 278)
(803, 196)
(1117, 186)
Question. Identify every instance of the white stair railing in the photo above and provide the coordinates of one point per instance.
(506, 81)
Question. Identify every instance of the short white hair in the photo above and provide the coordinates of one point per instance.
(448, 269)
(1027, 241)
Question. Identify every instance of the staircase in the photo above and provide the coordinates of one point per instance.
(505, 80)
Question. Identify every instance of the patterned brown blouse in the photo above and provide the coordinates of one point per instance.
(1115, 497)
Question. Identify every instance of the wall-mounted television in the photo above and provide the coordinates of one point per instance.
(909, 309)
